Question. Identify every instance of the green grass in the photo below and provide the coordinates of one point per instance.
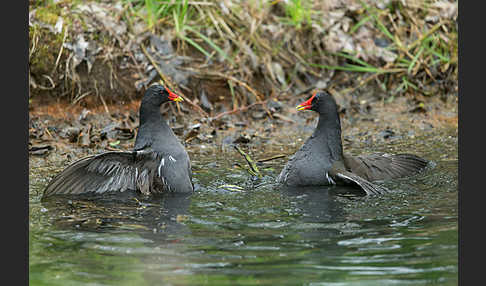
(357, 65)
(182, 16)
(430, 50)
(298, 12)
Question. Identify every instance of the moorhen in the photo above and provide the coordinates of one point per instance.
(320, 161)
(158, 163)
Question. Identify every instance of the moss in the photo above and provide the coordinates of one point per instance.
(47, 43)
(48, 14)
(47, 47)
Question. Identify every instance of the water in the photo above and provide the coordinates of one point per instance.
(257, 235)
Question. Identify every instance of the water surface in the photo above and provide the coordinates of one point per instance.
(258, 234)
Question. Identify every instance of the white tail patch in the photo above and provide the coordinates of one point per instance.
(329, 179)
(162, 163)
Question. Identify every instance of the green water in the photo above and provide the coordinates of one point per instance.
(259, 235)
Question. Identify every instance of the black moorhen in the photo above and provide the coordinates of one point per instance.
(158, 163)
(320, 161)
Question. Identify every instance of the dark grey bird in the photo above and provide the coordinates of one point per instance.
(321, 161)
(158, 163)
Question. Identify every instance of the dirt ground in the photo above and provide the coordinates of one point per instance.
(60, 131)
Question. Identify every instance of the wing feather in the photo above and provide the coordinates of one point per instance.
(368, 187)
(382, 166)
(107, 172)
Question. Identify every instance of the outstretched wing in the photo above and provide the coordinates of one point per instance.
(107, 172)
(382, 166)
(350, 178)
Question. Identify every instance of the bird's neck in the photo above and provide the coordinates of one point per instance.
(158, 122)
(328, 135)
(153, 128)
(148, 114)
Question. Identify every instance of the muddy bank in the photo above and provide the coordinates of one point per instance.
(61, 133)
(225, 55)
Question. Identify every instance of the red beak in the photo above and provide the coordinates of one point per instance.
(173, 96)
(306, 104)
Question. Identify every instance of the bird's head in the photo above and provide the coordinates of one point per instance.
(320, 102)
(157, 95)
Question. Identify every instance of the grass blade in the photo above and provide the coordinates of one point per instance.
(414, 60)
(355, 68)
(211, 43)
(195, 45)
(354, 59)
(359, 24)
